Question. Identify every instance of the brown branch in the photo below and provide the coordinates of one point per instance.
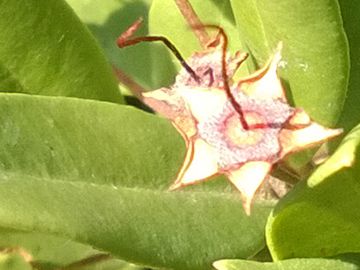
(93, 259)
(126, 80)
(193, 21)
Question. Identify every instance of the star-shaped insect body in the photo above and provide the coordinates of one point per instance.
(239, 129)
(218, 144)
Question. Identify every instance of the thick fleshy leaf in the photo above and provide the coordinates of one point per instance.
(315, 56)
(163, 229)
(165, 19)
(321, 218)
(78, 140)
(107, 20)
(91, 175)
(46, 50)
(351, 114)
(293, 264)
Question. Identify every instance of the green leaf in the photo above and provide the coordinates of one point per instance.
(161, 229)
(13, 262)
(293, 264)
(95, 173)
(165, 19)
(107, 20)
(351, 114)
(315, 55)
(46, 50)
(78, 140)
(321, 218)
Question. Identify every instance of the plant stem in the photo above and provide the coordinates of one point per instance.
(193, 21)
(126, 80)
(87, 261)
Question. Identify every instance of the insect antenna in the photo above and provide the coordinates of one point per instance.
(125, 39)
(225, 77)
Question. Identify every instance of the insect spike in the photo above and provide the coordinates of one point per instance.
(216, 141)
(234, 103)
(125, 40)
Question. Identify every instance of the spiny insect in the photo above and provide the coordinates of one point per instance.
(239, 129)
